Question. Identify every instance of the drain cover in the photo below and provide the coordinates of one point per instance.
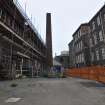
(11, 100)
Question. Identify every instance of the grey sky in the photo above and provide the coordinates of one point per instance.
(67, 15)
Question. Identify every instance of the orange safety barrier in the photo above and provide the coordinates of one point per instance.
(92, 73)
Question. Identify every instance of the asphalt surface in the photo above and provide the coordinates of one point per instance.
(68, 91)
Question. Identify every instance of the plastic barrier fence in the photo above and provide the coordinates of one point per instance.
(92, 73)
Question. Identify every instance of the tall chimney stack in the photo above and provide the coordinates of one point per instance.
(49, 40)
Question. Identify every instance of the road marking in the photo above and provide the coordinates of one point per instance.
(12, 100)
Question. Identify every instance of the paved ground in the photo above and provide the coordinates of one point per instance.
(69, 91)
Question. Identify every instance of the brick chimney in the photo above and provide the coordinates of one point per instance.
(49, 40)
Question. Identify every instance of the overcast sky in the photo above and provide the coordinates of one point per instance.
(67, 15)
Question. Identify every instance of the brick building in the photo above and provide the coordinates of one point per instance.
(88, 42)
(97, 37)
(81, 46)
(71, 54)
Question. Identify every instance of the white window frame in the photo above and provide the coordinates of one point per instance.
(91, 42)
(80, 58)
(81, 45)
(103, 53)
(92, 56)
(83, 59)
(98, 21)
(97, 55)
(95, 39)
(101, 36)
(93, 25)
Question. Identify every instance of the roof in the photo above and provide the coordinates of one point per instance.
(56, 63)
(97, 12)
(70, 42)
(83, 24)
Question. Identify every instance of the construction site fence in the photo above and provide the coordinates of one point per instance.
(96, 73)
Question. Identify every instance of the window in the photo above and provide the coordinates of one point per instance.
(79, 59)
(76, 59)
(74, 39)
(93, 25)
(104, 17)
(76, 47)
(103, 53)
(101, 36)
(82, 58)
(91, 42)
(80, 33)
(97, 54)
(92, 56)
(77, 36)
(0, 13)
(95, 39)
(3, 15)
(81, 45)
(98, 21)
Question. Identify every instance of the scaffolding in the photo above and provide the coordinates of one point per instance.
(21, 50)
(27, 19)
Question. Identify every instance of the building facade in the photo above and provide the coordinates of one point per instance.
(81, 46)
(22, 51)
(63, 59)
(97, 38)
(89, 42)
(71, 54)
